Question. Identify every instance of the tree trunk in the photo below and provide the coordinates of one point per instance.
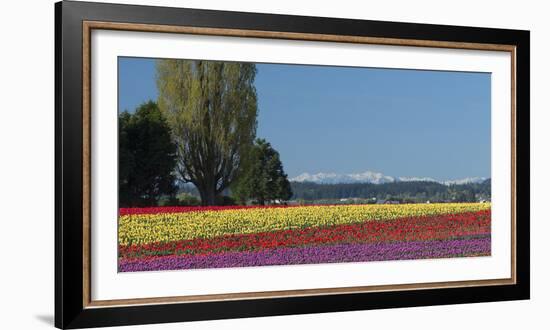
(208, 194)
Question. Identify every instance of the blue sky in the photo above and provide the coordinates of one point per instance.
(348, 120)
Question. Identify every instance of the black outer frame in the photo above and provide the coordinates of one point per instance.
(69, 310)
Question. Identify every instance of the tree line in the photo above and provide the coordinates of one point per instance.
(200, 131)
(408, 192)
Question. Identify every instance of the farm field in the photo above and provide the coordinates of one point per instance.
(171, 238)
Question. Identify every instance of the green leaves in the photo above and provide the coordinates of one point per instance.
(147, 157)
(263, 178)
(211, 108)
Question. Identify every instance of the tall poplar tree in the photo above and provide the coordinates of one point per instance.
(211, 108)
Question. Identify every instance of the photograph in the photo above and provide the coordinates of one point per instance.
(239, 164)
(231, 163)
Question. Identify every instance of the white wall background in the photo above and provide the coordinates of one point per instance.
(27, 163)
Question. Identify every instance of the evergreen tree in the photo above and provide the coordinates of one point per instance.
(263, 179)
(146, 157)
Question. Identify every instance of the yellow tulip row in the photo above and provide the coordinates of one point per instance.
(166, 227)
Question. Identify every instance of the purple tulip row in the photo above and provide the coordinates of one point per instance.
(473, 246)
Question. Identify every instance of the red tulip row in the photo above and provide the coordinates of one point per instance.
(183, 209)
(439, 227)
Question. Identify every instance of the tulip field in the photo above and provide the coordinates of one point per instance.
(170, 238)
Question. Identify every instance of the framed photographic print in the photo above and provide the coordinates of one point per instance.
(215, 164)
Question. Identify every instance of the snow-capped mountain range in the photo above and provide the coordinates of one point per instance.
(373, 177)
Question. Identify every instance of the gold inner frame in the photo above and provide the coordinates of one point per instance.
(87, 28)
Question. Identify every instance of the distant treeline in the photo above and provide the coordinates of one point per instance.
(412, 192)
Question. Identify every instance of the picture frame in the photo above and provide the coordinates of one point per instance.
(74, 24)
